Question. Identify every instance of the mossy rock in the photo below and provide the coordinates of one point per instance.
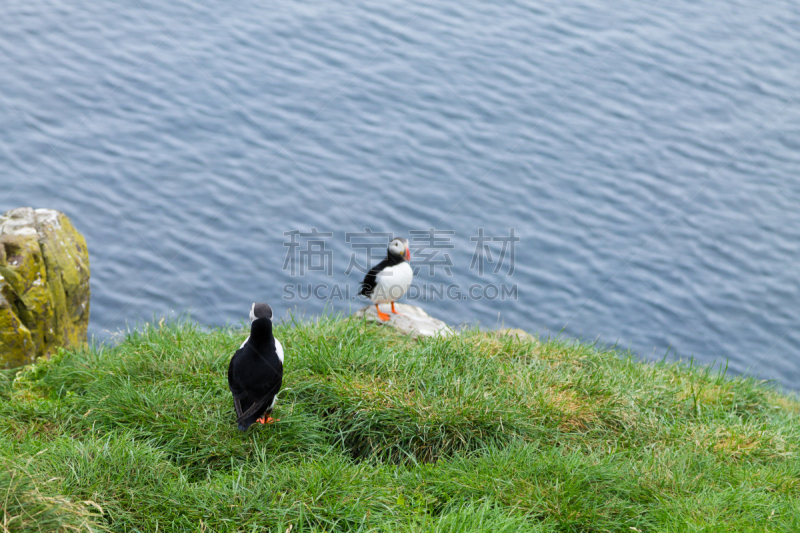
(67, 259)
(44, 281)
(27, 289)
(15, 339)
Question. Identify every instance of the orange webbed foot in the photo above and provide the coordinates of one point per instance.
(383, 316)
(396, 312)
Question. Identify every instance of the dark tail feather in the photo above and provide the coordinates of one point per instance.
(241, 405)
(249, 421)
(257, 409)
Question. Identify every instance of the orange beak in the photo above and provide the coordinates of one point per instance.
(408, 254)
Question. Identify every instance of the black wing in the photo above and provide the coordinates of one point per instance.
(368, 285)
(232, 385)
(241, 403)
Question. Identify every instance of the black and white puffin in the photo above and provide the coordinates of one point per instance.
(389, 280)
(255, 372)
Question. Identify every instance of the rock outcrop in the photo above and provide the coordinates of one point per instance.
(519, 334)
(413, 320)
(44, 285)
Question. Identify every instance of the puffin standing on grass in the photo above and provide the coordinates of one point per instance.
(255, 372)
(389, 280)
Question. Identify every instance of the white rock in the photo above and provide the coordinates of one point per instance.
(48, 216)
(19, 221)
(413, 320)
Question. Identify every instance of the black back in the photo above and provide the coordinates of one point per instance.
(255, 374)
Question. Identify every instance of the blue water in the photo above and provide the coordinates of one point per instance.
(646, 154)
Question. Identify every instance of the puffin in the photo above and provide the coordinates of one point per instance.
(255, 373)
(389, 280)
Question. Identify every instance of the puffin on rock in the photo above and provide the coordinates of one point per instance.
(255, 372)
(389, 280)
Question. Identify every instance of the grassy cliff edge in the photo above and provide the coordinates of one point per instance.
(378, 432)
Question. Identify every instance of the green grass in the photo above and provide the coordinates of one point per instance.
(378, 432)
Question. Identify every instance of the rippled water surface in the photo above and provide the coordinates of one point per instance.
(647, 155)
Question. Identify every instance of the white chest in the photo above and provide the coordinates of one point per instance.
(392, 282)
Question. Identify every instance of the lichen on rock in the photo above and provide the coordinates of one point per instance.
(44, 284)
(15, 339)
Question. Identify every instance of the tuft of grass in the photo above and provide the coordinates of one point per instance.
(378, 432)
(26, 508)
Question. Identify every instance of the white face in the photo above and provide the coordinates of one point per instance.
(397, 247)
(252, 312)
